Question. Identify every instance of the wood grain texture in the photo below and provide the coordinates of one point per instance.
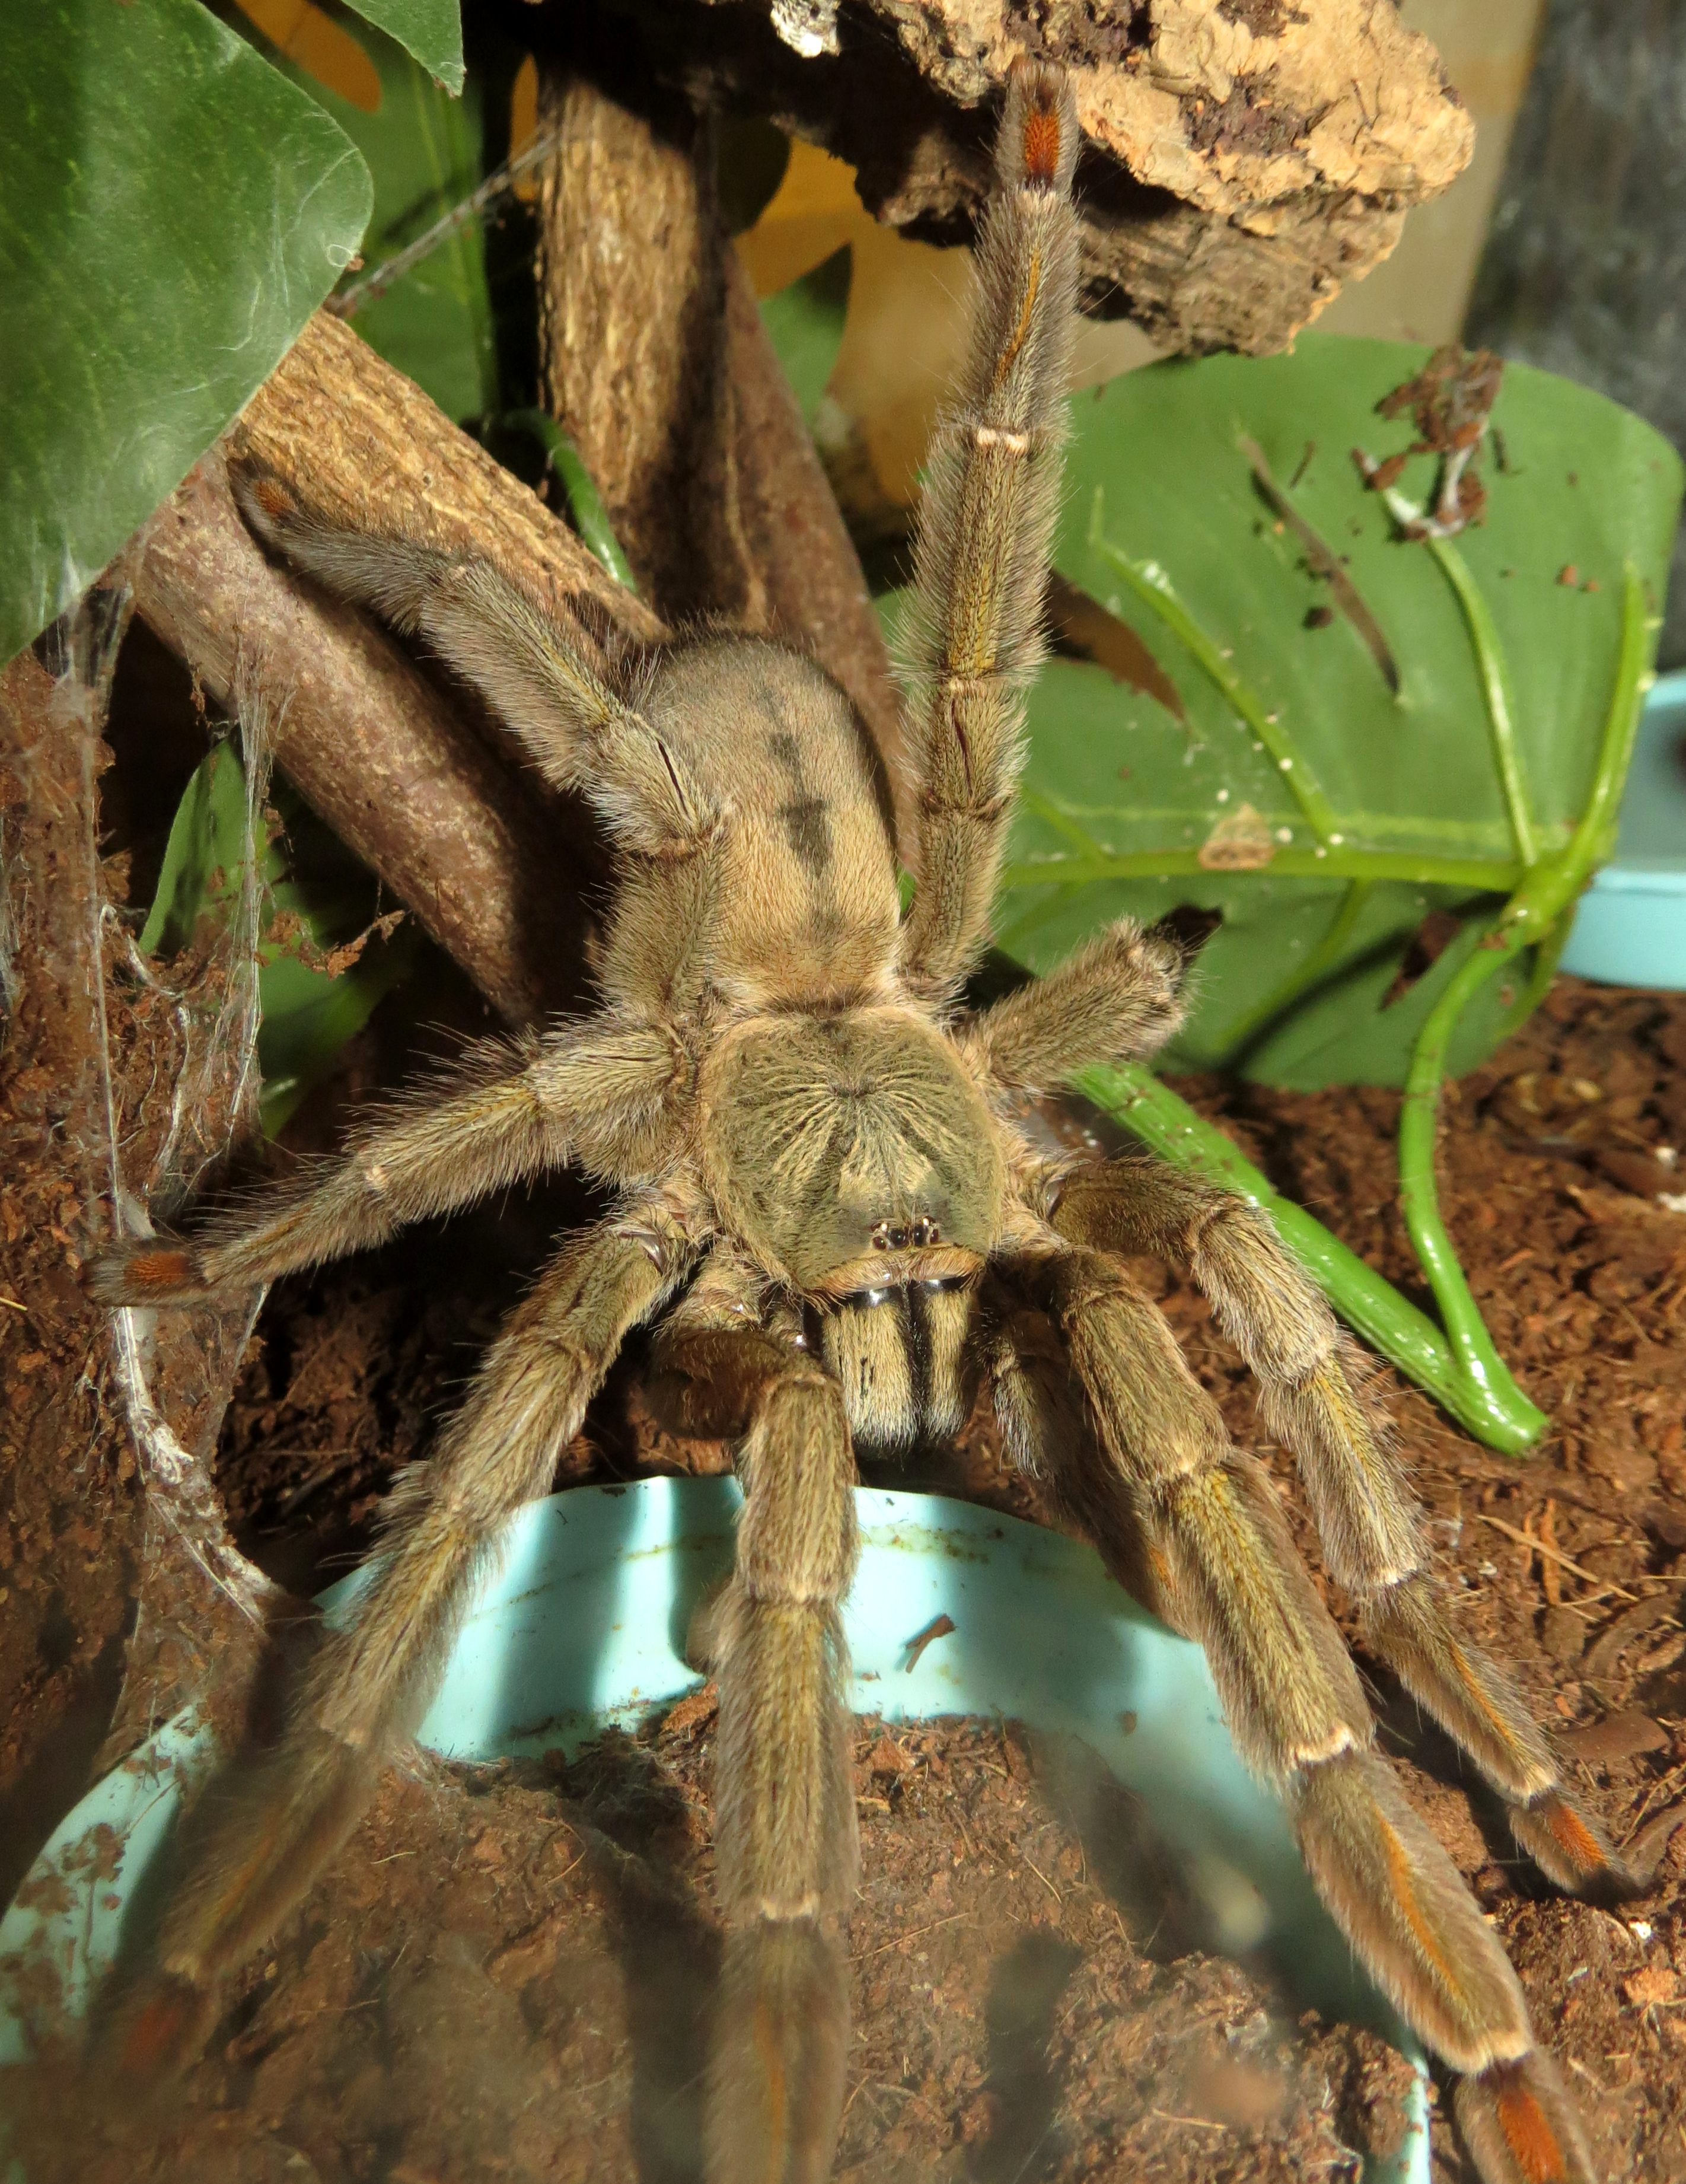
(658, 365)
(492, 864)
(630, 303)
(801, 578)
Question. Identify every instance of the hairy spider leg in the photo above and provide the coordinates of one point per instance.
(1312, 1381)
(288, 1811)
(579, 730)
(986, 529)
(597, 1092)
(1116, 999)
(786, 1854)
(1224, 1569)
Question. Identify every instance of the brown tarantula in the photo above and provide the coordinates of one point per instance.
(828, 1212)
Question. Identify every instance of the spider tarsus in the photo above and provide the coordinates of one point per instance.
(1570, 1848)
(143, 1274)
(1518, 2121)
(780, 2044)
(161, 2031)
(1040, 135)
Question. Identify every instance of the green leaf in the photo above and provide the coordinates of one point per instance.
(171, 212)
(317, 897)
(804, 323)
(431, 29)
(423, 149)
(1391, 807)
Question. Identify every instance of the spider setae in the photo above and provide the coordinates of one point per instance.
(827, 1212)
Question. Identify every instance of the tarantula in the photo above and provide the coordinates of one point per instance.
(839, 1233)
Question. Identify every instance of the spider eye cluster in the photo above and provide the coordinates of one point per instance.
(896, 1236)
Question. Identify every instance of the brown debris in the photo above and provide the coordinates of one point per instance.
(1248, 160)
(1082, 628)
(940, 1626)
(115, 1556)
(693, 1712)
(1618, 1736)
(509, 1971)
(1241, 842)
(1322, 559)
(1450, 402)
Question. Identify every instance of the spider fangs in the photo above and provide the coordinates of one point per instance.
(806, 1133)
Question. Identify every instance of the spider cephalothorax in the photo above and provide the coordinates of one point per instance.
(825, 1211)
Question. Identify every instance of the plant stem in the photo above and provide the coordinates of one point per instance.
(1536, 911)
(1478, 1359)
(1499, 1416)
(585, 505)
(1478, 875)
(350, 301)
(1460, 1368)
(1496, 683)
(1155, 589)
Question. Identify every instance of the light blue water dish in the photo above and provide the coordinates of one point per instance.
(585, 1627)
(1630, 929)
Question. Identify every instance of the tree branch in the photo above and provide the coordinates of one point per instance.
(491, 863)
(657, 363)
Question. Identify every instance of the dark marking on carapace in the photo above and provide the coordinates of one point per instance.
(808, 829)
(806, 817)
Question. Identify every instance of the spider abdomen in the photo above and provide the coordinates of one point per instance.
(788, 892)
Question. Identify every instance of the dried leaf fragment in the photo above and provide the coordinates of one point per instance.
(1239, 842)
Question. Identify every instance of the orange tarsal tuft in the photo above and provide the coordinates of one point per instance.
(159, 1270)
(273, 498)
(1576, 1837)
(1529, 2136)
(1042, 144)
(157, 2034)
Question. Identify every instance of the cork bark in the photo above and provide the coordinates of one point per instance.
(1246, 158)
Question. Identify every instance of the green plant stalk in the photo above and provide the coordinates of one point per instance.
(585, 504)
(1496, 683)
(1460, 1367)
(1478, 875)
(1530, 918)
(1407, 1338)
(1155, 589)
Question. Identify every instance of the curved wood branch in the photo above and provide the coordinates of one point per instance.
(657, 364)
(492, 865)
